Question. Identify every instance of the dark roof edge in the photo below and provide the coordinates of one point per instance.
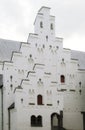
(12, 106)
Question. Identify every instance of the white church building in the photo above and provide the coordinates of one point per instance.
(42, 84)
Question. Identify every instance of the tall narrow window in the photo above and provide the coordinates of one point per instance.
(41, 24)
(39, 99)
(33, 120)
(39, 121)
(51, 26)
(62, 78)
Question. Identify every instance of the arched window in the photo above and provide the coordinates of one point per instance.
(36, 121)
(51, 26)
(39, 99)
(41, 24)
(39, 121)
(33, 120)
(62, 78)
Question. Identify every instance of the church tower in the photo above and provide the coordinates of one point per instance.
(44, 24)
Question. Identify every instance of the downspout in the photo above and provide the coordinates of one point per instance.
(1, 87)
(9, 118)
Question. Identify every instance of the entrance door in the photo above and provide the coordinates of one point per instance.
(57, 121)
(54, 121)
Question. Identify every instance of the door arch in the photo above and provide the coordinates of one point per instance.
(56, 121)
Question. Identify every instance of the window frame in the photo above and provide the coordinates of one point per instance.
(39, 99)
(62, 79)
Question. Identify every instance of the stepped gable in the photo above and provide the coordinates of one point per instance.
(8, 46)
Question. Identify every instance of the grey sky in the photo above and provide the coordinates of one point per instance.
(17, 18)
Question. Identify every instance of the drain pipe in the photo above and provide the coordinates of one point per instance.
(1, 87)
(9, 110)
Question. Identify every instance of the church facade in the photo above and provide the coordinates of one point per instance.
(42, 84)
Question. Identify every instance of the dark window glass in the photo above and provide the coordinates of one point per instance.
(51, 26)
(62, 79)
(36, 121)
(39, 99)
(39, 121)
(33, 121)
(41, 24)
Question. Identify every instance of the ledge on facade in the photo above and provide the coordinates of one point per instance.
(81, 69)
(37, 64)
(47, 73)
(33, 34)
(23, 42)
(72, 90)
(19, 87)
(7, 62)
(66, 49)
(11, 106)
(61, 90)
(30, 72)
(74, 59)
(49, 104)
(14, 52)
(54, 82)
(59, 39)
(4, 62)
(31, 103)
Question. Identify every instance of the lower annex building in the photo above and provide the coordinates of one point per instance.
(42, 84)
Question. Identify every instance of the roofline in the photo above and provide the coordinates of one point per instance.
(66, 49)
(43, 7)
(12, 106)
(81, 69)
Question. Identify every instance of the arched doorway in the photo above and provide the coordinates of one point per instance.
(56, 121)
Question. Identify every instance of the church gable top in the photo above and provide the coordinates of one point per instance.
(44, 8)
(42, 11)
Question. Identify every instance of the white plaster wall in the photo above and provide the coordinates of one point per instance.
(13, 119)
(73, 120)
(50, 57)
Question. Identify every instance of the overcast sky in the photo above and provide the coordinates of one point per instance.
(17, 18)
